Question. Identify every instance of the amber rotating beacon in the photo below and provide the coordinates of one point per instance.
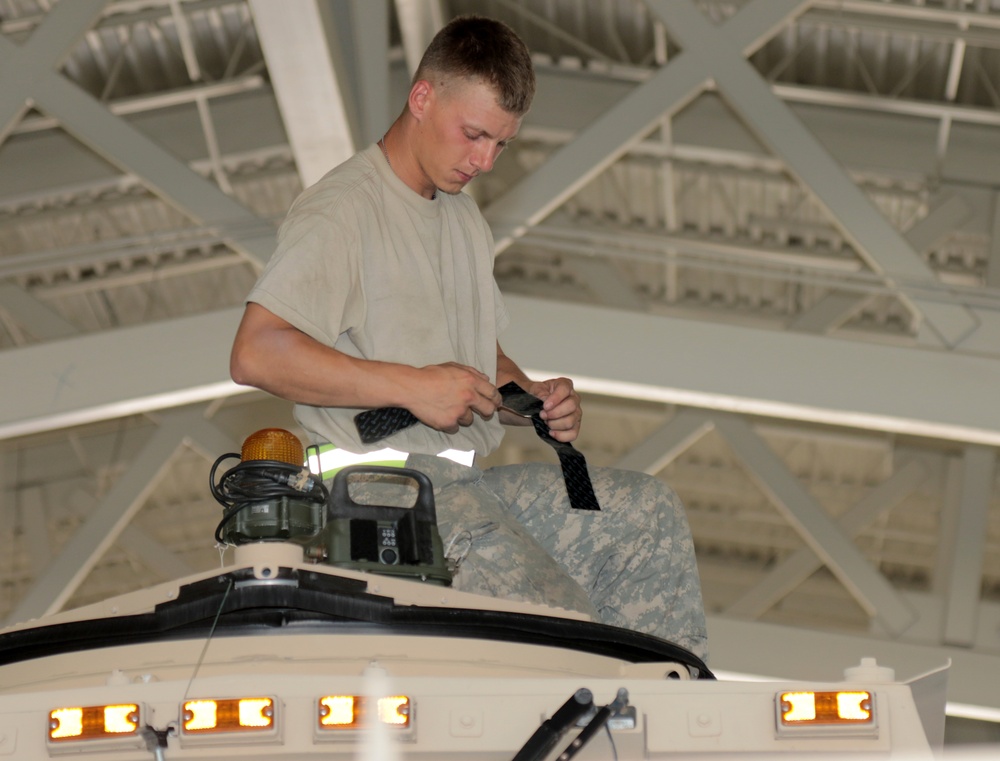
(270, 495)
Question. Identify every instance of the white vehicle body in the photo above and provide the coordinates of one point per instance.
(336, 635)
(473, 691)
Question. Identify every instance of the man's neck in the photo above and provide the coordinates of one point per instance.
(402, 162)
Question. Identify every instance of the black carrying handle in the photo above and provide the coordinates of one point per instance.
(342, 505)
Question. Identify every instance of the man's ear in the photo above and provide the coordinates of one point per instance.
(420, 98)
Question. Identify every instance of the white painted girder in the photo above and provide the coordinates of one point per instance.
(665, 443)
(301, 66)
(948, 529)
(773, 122)
(947, 213)
(966, 572)
(37, 317)
(937, 394)
(124, 146)
(102, 527)
(171, 179)
(140, 544)
(815, 526)
(40, 56)
(115, 373)
(828, 313)
(611, 134)
(419, 21)
(797, 567)
(993, 260)
(933, 393)
(31, 523)
(836, 307)
(371, 69)
(109, 520)
(605, 281)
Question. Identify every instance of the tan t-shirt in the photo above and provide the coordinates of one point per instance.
(370, 267)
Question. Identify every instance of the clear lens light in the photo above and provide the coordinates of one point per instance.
(336, 711)
(256, 712)
(351, 711)
(65, 722)
(199, 715)
(854, 706)
(394, 710)
(801, 706)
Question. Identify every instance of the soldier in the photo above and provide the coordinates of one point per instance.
(381, 294)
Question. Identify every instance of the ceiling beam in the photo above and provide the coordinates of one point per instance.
(367, 66)
(605, 281)
(881, 245)
(862, 101)
(108, 522)
(127, 148)
(829, 312)
(102, 527)
(111, 374)
(963, 593)
(946, 214)
(612, 133)
(419, 21)
(38, 57)
(993, 255)
(747, 370)
(834, 309)
(300, 62)
(815, 526)
(32, 524)
(662, 446)
(34, 315)
(800, 565)
(714, 366)
(141, 545)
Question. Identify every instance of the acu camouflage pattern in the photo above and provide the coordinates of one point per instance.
(631, 565)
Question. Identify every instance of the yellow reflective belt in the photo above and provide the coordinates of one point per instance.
(327, 459)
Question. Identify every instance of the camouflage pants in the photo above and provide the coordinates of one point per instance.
(630, 565)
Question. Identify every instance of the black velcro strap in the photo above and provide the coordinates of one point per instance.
(374, 425)
(574, 465)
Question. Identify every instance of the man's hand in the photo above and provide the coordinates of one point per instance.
(561, 410)
(450, 395)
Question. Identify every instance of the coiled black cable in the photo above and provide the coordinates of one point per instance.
(255, 481)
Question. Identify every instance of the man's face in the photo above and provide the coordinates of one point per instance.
(462, 132)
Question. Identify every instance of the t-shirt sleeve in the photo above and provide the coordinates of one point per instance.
(310, 279)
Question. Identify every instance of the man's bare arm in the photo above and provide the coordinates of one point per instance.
(272, 354)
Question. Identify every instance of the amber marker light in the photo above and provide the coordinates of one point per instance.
(229, 715)
(351, 711)
(93, 722)
(108, 727)
(826, 710)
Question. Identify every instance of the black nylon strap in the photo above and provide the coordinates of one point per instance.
(574, 464)
(374, 425)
